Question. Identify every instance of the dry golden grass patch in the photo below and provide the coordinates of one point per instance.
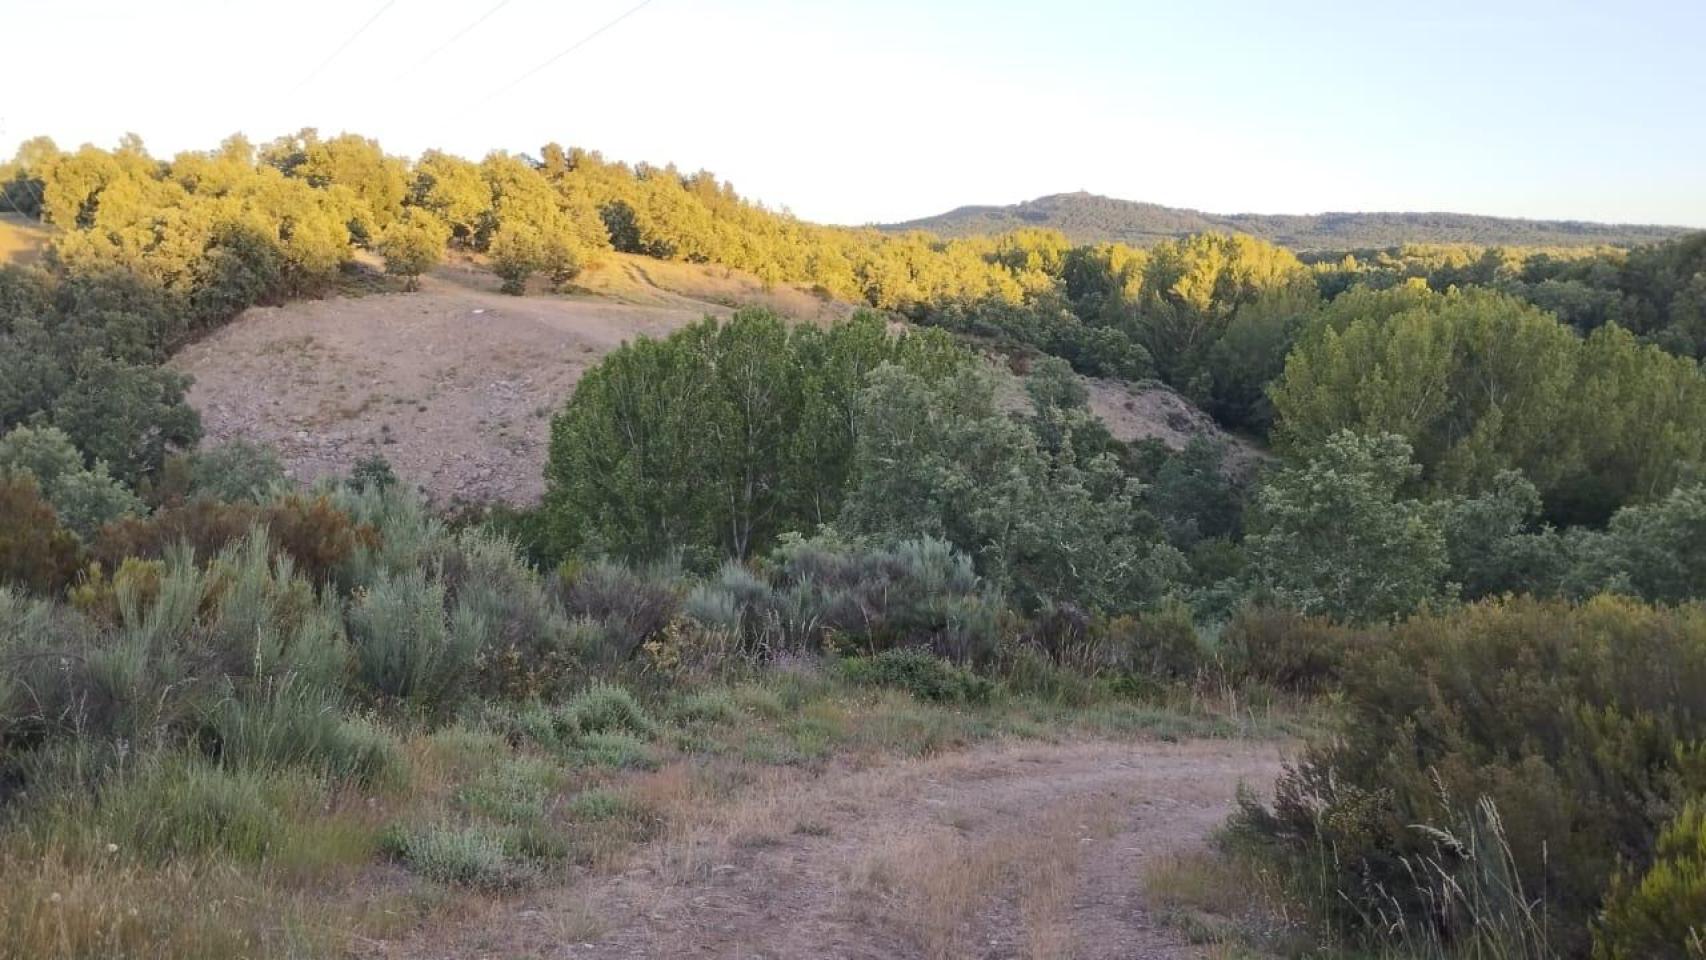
(929, 881)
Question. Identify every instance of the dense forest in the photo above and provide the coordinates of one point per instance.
(1090, 218)
(1478, 537)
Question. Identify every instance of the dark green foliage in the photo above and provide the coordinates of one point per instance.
(236, 471)
(1337, 535)
(919, 673)
(1580, 725)
(718, 438)
(1047, 324)
(938, 458)
(1479, 382)
(372, 472)
(1282, 648)
(1158, 645)
(83, 498)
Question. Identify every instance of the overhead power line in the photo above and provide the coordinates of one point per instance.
(446, 45)
(343, 46)
(571, 48)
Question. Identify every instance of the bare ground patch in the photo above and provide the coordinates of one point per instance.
(1021, 851)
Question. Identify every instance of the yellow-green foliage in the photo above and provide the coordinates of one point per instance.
(1660, 914)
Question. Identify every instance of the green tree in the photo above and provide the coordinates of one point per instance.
(517, 252)
(83, 498)
(412, 245)
(128, 416)
(1336, 535)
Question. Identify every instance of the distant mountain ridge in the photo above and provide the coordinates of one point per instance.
(1091, 218)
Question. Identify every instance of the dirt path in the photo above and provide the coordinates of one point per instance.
(1003, 851)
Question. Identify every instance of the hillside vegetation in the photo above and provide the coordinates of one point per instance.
(1090, 218)
(292, 720)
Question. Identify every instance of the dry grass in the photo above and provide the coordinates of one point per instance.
(22, 241)
(930, 881)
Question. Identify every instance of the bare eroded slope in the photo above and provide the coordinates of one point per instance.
(455, 384)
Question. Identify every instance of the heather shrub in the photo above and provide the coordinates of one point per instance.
(607, 708)
(36, 553)
(236, 471)
(1158, 644)
(291, 723)
(1660, 913)
(822, 593)
(528, 648)
(183, 640)
(1284, 648)
(1579, 725)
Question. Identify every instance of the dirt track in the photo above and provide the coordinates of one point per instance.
(1002, 851)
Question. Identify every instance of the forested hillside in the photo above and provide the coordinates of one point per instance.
(1090, 218)
(1475, 548)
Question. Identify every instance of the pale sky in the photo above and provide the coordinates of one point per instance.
(854, 112)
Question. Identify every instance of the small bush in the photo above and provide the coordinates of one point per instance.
(472, 856)
(1579, 725)
(1027, 671)
(36, 553)
(920, 673)
(406, 647)
(607, 708)
(632, 606)
(236, 471)
(293, 724)
(705, 706)
(622, 751)
(514, 791)
(599, 804)
(1285, 648)
(1160, 644)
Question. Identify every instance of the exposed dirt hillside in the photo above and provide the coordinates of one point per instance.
(22, 240)
(455, 384)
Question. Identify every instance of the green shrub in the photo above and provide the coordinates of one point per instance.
(1160, 644)
(705, 706)
(292, 724)
(471, 856)
(236, 471)
(406, 647)
(1284, 648)
(622, 751)
(514, 791)
(1029, 672)
(920, 673)
(607, 708)
(1660, 914)
(632, 605)
(182, 806)
(1578, 724)
(527, 648)
(600, 804)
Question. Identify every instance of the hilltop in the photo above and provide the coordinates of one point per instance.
(1091, 218)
